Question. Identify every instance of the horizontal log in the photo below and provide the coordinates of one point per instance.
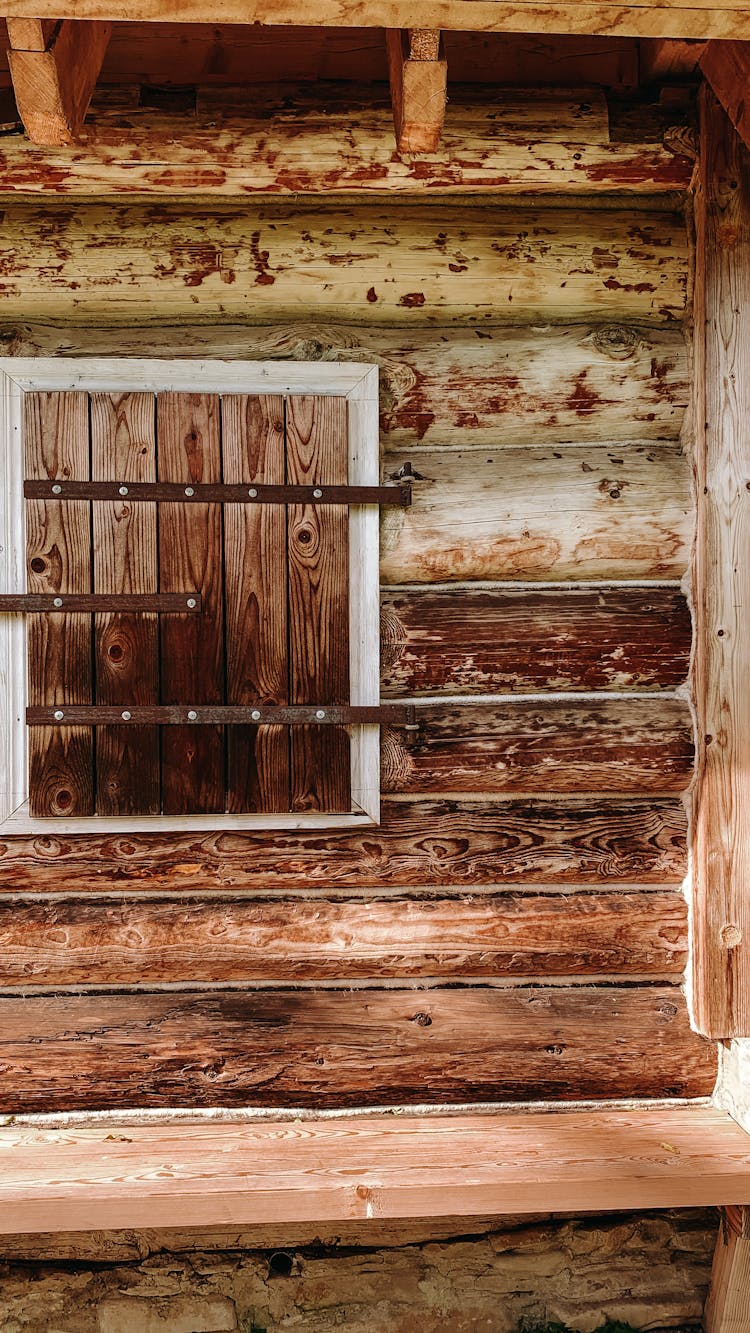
(448, 385)
(338, 1048)
(412, 265)
(496, 640)
(630, 745)
(622, 512)
(536, 142)
(607, 18)
(419, 844)
(164, 942)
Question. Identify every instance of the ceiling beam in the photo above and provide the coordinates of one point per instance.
(418, 73)
(701, 19)
(54, 67)
(726, 66)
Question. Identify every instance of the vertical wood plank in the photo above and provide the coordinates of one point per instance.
(126, 647)
(255, 562)
(317, 454)
(728, 1305)
(192, 648)
(721, 918)
(61, 760)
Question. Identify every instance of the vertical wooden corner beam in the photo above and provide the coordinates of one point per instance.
(721, 580)
(54, 67)
(726, 66)
(728, 1305)
(665, 58)
(418, 73)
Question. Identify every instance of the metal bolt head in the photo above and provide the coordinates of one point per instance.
(192, 715)
(57, 601)
(317, 493)
(123, 490)
(252, 492)
(126, 716)
(191, 603)
(56, 490)
(255, 715)
(189, 490)
(59, 715)
(320, 714)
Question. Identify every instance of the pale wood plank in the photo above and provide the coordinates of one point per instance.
(203, 1175)
(53, 86)
(721, 840)
(126, 647)
(61, 761)
(318, 535)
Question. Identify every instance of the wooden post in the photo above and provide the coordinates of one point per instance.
(728, 1305)
(419, 77)
(54, 67)
(721, 845)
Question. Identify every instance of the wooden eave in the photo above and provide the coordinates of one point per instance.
(698, 19)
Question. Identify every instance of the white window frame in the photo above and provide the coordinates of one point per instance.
(358, 384)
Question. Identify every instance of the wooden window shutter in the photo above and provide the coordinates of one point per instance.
(273, 581)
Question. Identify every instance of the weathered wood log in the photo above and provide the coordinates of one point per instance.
(420, 844)
(721, 833)
(330, 1048)
(493, 640)
(608, 18)
(128, 263)
(568, 513)
(630, 745)
(447, 385)
(152, 943)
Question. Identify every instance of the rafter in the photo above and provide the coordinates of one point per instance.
(54, 67)
(418, 73)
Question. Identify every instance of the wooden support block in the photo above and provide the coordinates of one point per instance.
(662, 59)
(54, 67)
(728, 1306)
(721, 949)
(418, 73)
(726, 66)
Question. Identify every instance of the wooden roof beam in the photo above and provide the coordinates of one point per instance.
(726, 66)
(54, 66)
(418, 73)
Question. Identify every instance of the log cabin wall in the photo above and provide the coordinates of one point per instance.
(516, 929)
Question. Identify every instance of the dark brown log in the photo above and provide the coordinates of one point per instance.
(420, 844)
(125, 560)
(151, 943)
(484, 641)
(318, 663)
(255, 597)
(331, 1048)
(190, 556)
(58, 560)
(631, 745)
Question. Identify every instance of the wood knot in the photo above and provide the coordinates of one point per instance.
(617, 341)
(730, 936)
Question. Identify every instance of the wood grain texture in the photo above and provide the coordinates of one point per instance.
(726, 67)
(721, 955)
(276, 262)
(125, 560)
(58, 559)
(420, 843)
(190, 559)
(255, 602)
(631, 745)
(540, 514)
(495, 640)
(728, 1305)
(318, 535)
(498, 937)
(235, 1175)
(606, 18)
(419, 87)
(537, 143)
(331, 1048)
(447, 385)
(53, 86)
